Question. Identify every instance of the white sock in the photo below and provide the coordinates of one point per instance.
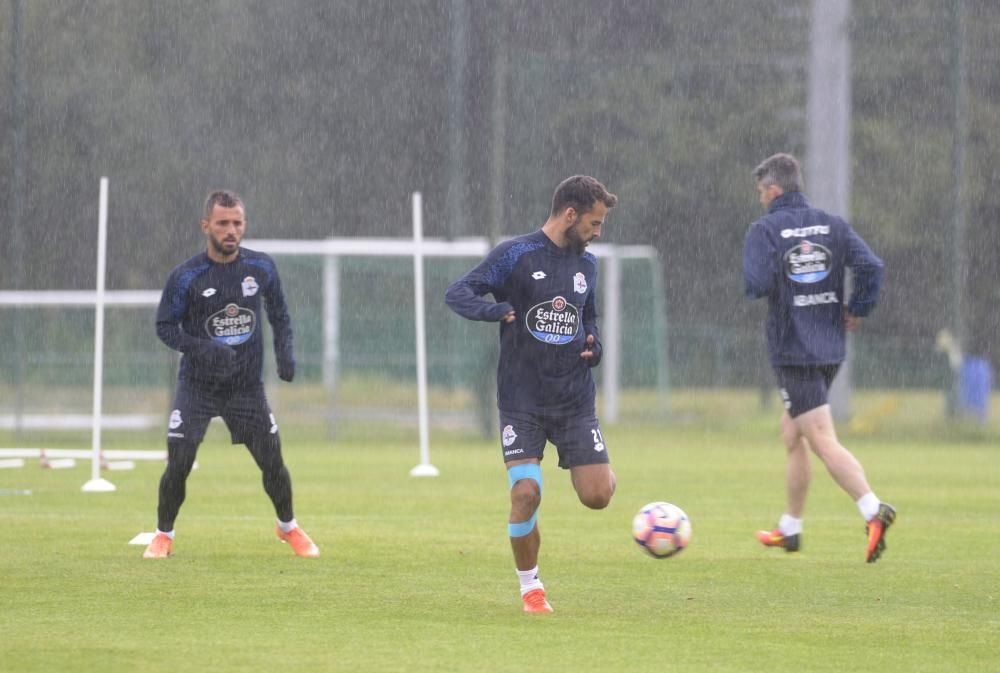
(868, 505)
(789, 525)
(168, 533)
(288, 526)
(529, 580)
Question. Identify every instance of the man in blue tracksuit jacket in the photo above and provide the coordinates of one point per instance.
(544, 287)
(797, 257)
(211, 310)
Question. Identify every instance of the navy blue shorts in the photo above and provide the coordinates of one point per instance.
(577, 438)
(804, 387)
(244, 410)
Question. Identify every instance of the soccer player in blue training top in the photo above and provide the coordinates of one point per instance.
(544, 285)
(796, 256)
(210, 311)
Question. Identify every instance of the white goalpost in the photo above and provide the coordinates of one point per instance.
(331, 250)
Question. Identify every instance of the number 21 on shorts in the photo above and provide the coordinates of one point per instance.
(598, 439)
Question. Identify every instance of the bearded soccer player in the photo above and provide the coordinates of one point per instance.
(210, 311)
(544, 286)
(797, 256)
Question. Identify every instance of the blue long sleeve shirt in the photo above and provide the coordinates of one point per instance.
(552, 293)
(796, 256)
(207, 306)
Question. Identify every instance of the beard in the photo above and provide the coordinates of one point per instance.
(220, 246)
(576, 242)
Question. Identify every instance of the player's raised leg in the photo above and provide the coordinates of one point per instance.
(594, 484)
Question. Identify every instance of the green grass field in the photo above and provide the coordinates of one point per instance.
(416, 574)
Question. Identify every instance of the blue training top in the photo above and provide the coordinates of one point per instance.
(552, 293)
(795, 256)
(207, 307)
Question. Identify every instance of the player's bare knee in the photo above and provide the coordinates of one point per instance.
(597, 498)
(525, 496)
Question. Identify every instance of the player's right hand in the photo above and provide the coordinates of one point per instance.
(502, 312)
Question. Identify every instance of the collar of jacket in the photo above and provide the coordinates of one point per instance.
(789, 200)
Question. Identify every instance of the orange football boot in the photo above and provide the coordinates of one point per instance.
(876, 529)
(160, 547)
(301, 543)
(774, 538)
(534, 602)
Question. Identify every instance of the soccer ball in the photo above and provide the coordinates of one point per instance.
(661, 529)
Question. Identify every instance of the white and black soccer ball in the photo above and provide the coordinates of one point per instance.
(661, 529)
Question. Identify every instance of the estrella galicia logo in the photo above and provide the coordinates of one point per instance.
(553, 322)
(808, 262)
(232, 325)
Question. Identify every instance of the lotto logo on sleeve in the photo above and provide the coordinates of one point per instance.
(554, 322)
(232, 325)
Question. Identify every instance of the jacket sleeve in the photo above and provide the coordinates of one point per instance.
(868, 270)
(465, 296)
(169, 316)
(281, 322)
(590, 325)
(760, 262)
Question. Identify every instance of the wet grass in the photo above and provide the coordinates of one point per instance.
(416, 574)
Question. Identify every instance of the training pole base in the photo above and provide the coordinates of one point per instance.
(98, 486)
(424, 470)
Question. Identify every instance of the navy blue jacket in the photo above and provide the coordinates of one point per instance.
(796, 256)
(552, 292)
(211, 313)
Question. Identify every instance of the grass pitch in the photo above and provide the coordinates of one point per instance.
(417, 575)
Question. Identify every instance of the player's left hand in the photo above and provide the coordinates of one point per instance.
(851, 322)
(592, 352)
(286, 370)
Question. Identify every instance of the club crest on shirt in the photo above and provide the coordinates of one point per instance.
(232, 325)
(250, 286)
(553, 322)
(580, 283)
(175, 419)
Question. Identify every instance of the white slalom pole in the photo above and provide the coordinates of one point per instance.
(424, 469)
(96, 483)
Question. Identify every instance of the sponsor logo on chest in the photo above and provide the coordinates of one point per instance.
(232, 325)
(553, 322)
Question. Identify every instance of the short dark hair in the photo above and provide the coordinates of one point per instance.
(581, 192)
(782, 170)
(224, 198)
